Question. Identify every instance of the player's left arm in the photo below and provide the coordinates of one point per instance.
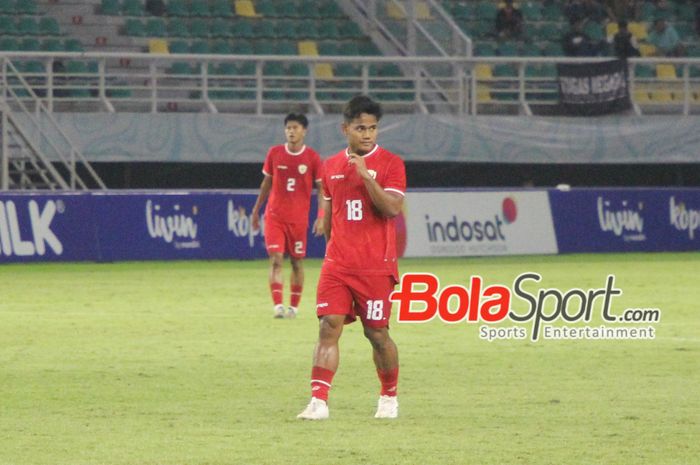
(388, 203)
(318, 223)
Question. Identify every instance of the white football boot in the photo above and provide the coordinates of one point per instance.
(387, 407)
(316, 410)
(292, 312)
(279, 311)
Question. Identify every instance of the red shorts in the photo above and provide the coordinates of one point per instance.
(366, 296)
(281, 237)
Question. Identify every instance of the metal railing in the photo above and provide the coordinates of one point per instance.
(140, 82)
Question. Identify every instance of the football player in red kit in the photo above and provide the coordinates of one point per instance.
(363, 190)
(290, 172)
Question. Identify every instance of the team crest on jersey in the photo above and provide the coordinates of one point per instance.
(302, 169)
(372, 173)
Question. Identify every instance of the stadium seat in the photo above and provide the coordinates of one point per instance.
(323, 71)
(242, 47)
(532, 11)
(199, 8)
(350, 30)
(327, 47)
(508, 49)
(221, 8)
(134, 27)
(298, 69)
(180, 68)
(647, 50)
(7, 25)
(285, 47)
(158, 46)
(263, 47)
(486, 10)
(552, 12)
(30, 45)
(245, 8)
(243, 28)
(199, 28)
(28, 26)
(110, 7)
(179, 46)
(285, 29)
(26, 7)
(367, 47)
(74, 45)
(177, 28)
(48, 26)
(666, 72)
(176, 8)
(310, 9)
(133, 8)
(263, 8)
(594, 31)
(308, 48)
(306, 29)
(9, 44)
(287, 10)
(155, 27)
(52, 45)
(199, 47)
(330, 9)
(638, 30)
(220, 28)
(221, 47)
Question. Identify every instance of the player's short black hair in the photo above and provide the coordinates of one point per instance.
(298, 117)
(361, 104)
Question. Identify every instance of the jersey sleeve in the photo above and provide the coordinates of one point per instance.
(396, 177)
(324, 182)
(317, 168)
(267, 166)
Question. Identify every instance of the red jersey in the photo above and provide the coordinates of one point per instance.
(362, 239)
(293, 176)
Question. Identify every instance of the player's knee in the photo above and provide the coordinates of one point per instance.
(329, 328)
(276, 260)
(296, 264)
(378, 337)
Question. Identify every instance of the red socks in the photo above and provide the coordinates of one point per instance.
(321, 379)
(296, 295)
(389, 380)
(276, 291)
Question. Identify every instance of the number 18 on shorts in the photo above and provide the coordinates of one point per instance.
(365, 297)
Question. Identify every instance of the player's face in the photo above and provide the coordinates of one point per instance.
(361, 133)
(294, 132)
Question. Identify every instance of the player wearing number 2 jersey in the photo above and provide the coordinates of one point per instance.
(290, 172)
(363, 189)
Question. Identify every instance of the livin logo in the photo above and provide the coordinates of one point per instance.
(625, 222)
(171, 227)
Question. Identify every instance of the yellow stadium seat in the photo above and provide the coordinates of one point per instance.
(245, 8)
(638, 30)
(158, 46)
(483, 94)
(641, 95)
(323, 71)
(395, 12)
(660, 95)
(308, 47)
(611, 29)
(647, 50)
(667, 72)
(483, 72)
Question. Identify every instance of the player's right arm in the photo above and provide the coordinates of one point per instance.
(265, 188)
(326, 205)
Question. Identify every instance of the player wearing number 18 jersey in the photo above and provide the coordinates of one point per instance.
(363, 190)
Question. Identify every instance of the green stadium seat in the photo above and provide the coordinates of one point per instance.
(221, 47)
(685, 11)
(532, 11)
(246, 68)
(298, 69)
(9, 44)
(134, 28)
(199, 8)
(552, 49)
(49, 26)
(181, 68)
(155, 27)
(221, 8)
(508, 49)
(200, 47)
(263, 47)
(645, 71)
(348, 48)
(178, 28)
(477, 29)
(330, 9)
(485, 49)
(286, 29)
(33, 67)
(367, 48)
(226, 69)
(110, 7)
(199, 28)
(262, 28)
(486, 10)
(7, 7)
(347, 70)
(306, 29)
(328, 30)
(73, 45)
(176, 8)
(76, 67)
(273, 68)
(243, 28)
(350, 30)
(52, 45)
(594, 30)
(285, 47)
(549, 32)
(220, 28)
(7, 25)
(242, 47)
(463, 11)
(328, 48)
(309, 9)
(133, 8)
(26, 7)
(686, 31)
(287, 9)
(28, 26)
(118, 90)
(266, 8)
(179, 47)
(647, 11)
(505, 70)
(30, 45)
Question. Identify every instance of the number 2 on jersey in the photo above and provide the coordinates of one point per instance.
(354, 208)
(291, 182)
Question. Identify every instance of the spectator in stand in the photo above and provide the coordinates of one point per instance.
(624, 43)
(509, 21)
(664, 9)
(666, 40)
(576, 43)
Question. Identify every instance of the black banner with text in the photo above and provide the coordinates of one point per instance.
(588, 89)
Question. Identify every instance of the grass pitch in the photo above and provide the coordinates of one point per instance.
(181, 363)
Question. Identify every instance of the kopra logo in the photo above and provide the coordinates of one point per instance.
(683, 218)
(11, 240)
